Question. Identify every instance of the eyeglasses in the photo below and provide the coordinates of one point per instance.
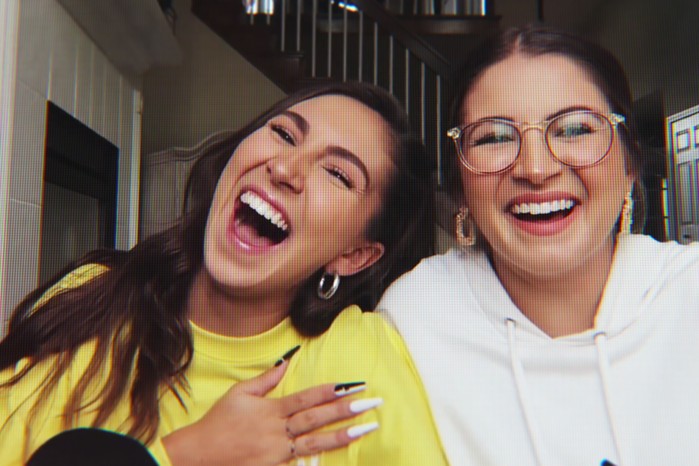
(577, 139)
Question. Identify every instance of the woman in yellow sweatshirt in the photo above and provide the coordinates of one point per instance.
(315, 206)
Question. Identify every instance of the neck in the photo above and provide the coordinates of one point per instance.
(564, 304)
(217, 310)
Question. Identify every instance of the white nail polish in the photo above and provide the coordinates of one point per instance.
(359, 406)
(362, 429)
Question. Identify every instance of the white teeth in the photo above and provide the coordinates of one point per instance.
(543, 208)
(263, 208)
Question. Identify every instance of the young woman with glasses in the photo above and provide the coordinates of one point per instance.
(313, 208)
(556, 335)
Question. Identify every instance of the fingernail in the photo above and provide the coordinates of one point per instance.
(287, 355)
(362, 429)
(359, 406)
(344, 389)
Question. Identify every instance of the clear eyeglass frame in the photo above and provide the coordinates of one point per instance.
(614, 119)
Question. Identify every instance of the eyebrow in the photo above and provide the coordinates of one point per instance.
(336, 151)
(343, 153)
(572, 108)
(298, 120)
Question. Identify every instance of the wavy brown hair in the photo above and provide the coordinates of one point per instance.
(136, 314)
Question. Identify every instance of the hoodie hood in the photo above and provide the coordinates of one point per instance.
(633, 280)
(503, 392)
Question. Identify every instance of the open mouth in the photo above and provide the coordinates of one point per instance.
(543, 211)
(258, 223)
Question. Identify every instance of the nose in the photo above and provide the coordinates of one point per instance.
(535, 163)
(288, 171)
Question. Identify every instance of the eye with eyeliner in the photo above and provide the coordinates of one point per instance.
(283, 133)
(340, 175)
(491, 138)
(572, 131)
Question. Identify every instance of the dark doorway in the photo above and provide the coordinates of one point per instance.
(650, 121)
(80, 192)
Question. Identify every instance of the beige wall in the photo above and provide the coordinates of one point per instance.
(214, 89)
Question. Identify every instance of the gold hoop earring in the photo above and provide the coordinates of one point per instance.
(469, 239)
(626, 220)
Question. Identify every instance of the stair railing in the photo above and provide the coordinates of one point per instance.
(388, 35)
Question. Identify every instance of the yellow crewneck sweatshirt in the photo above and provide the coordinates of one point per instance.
(358, 347)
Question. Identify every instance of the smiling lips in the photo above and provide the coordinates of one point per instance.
(543, 215)
(542, 208)
(257, 225)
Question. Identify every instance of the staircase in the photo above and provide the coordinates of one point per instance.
(403, 47)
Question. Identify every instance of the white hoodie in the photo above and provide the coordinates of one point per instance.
(505, 393)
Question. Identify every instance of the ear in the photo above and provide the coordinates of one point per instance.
(357, 259)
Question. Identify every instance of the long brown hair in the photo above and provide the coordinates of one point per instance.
(135, 311)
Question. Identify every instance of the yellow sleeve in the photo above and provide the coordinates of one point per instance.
(158, 452)
(23, 430)
(364, 347)
(407, 432)
(74, 279)
(20, 438)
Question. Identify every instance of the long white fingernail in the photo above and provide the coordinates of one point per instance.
(359, 406)
(362, 429)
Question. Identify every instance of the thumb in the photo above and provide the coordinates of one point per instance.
(263, 383)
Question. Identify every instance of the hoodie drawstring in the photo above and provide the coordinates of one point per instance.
(605, 376)
(525, 397)
(523, 392)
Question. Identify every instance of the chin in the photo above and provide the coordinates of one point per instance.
(546, 262)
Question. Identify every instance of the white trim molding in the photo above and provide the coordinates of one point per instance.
(135, 178)
(9, 34)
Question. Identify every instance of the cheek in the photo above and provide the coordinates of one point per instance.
(325, 204)
(251, 152)
(225, 183)
(340, 216)
(608, 180)
(479, 191)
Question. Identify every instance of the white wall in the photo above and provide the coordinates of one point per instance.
(9, 25)
(57, 61)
